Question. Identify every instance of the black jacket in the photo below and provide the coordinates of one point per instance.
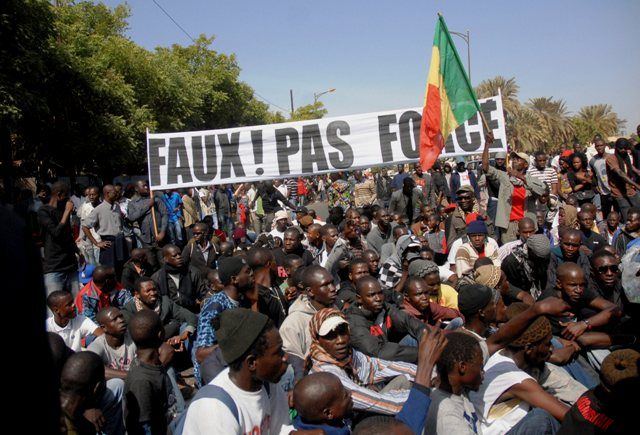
(192, 287)
(382, 341)
(171, 315)
(192, 255)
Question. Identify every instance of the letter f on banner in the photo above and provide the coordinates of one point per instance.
(449, 99)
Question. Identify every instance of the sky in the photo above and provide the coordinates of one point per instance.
(376, 53)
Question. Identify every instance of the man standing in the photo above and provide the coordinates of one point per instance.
(91, 253)
(620, 173)
(517, 195)
(364, 190)
(150, 215)
(106, 220)
(493, 186)
(173, 203)
(425, 183)
(544, 173)
(60, 264)
(270, 196)
(405, 201)
(463, 177)
(599, 168)
(223, 207)
(199, 253)
(398, 179)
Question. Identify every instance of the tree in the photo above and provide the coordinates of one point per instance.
(310, 111)
(508, 88)
(553, 119)
(597, 119)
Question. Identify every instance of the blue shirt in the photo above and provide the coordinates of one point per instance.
(172, 201)
(211, 309)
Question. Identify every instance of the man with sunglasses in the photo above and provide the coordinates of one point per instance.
(200, 253)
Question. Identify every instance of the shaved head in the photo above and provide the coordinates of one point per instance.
(81, 373)
(568, 269)
(314, 393)
(145, 328)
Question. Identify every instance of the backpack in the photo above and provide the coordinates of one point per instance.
(208, 392)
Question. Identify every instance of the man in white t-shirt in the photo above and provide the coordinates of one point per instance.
(67, 323)
(509, 392)
(253, 347)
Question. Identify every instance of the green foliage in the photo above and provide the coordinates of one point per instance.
(77, 95)
(544, 122)
(310, 111)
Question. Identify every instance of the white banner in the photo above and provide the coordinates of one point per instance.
(291, 149)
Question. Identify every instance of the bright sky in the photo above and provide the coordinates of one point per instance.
(376, 53)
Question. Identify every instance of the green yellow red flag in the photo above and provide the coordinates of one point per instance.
(449, 98)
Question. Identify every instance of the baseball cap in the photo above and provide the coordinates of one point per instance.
(85, 275)
(466, 188)
(330, 324)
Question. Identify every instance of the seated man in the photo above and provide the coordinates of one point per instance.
(508, 394)
(358, 267)
(178, 323)
(417, 304)
(115, 346)
(438, 292)
(373, 259)
(67, 323)
(607, 408)
(292, 244)
(568, 251)
(237, 278)
(477, 247)
(362, 375)
(393, 272)
(494, 278)
(291, 263)
(591, 313)
(180, 283)
(378, 328)
(526, 268)
(136, 267)
(591, 240)
(101, 292)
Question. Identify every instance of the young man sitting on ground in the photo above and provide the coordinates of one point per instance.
(417, 304)
(67, 323)
(115, 346)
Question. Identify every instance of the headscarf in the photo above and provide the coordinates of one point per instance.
(318, 353)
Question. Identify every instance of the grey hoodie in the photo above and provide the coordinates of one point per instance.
(296, 337)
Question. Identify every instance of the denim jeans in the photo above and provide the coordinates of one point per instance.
(54, 281)
(174, 230)
(112, 407)
(624, 204)
(579, 369)
(536, 422)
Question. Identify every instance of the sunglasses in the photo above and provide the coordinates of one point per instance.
(197, 233)
(604, 269)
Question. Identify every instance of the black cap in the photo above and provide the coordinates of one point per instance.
(236, 330)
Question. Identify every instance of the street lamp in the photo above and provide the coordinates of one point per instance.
(465, 37)
(316, 96)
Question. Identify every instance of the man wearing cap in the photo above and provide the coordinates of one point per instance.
(463, 177)
(517, 194)
(252, 347)
(394, 271)
(270, 197)
(380, 329)
(476, 247)
(467, 209)
(526, 266)
(237, 278)
(280, 223)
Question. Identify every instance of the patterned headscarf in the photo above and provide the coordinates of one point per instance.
(317, 352)
(570, 216)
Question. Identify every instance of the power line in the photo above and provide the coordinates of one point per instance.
(273, 104)
(192, 39)
(174, 21)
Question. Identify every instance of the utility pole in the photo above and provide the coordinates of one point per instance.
(291, 95)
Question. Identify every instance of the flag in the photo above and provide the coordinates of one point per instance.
(449, 98)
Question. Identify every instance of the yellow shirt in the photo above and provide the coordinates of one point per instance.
(447, 297)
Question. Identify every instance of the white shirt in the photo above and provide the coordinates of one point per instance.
(259, 413)
(500, 374)
(77, 329)
(451, 258)
(464, 178)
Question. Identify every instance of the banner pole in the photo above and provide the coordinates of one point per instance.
(153, 214)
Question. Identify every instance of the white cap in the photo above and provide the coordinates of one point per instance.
(330, 324)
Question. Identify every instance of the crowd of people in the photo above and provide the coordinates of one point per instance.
(498, 299)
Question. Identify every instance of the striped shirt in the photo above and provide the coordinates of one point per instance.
(548, 175)
(371, 373)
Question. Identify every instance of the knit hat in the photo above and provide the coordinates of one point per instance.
(422, 268)
(230, 266)
(236, 330)
(488, 275)
(281, 214)
(473, 297)
(539, 245)
(619, 366)
(477, 227)
(536, 331)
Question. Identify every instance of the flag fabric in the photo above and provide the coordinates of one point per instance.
(449, 98)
